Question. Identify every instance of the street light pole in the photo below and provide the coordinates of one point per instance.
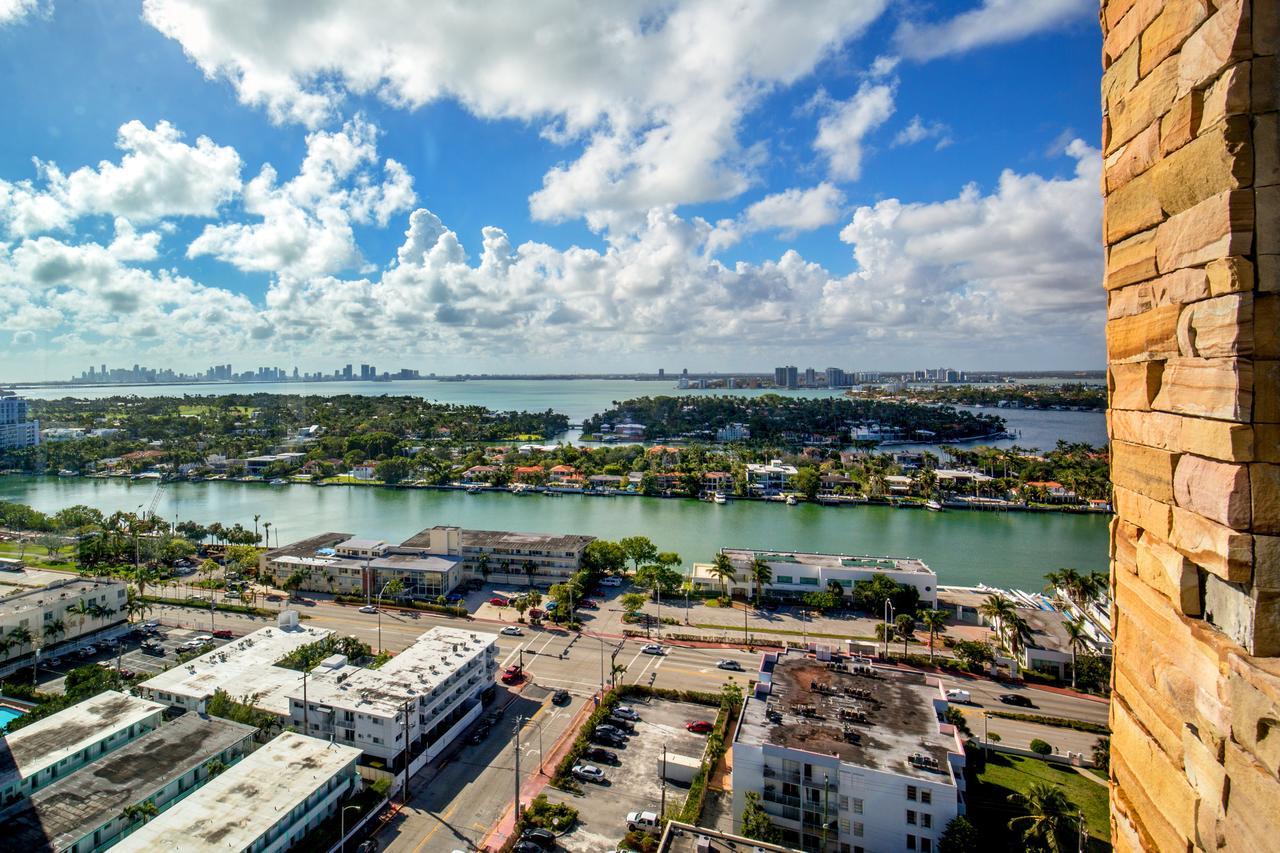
(342, 833)
(888, 609)
(519, 723)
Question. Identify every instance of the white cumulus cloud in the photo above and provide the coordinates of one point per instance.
(918, 130)
(842, 130)
(991, 22)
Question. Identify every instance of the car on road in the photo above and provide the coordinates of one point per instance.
(626, 712)
(231, 593)
(512, 631)
(654, 649)
(512, 675)
(599, 753)
(368, 608)
(477, 737)
(588, 773)
(561, 697)
(1016, 699)
(644, 821)
(960, 697)
(544, 838)
(730, 664)
(498, 601)
(700, 727)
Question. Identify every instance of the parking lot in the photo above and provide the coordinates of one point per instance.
(633, 783)
(129, 655)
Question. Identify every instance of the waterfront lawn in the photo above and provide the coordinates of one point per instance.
(990, 809)
(36, 557)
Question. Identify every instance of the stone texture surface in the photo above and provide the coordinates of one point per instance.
(1192, 223)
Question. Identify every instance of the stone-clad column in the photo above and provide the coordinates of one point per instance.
(1192, 235)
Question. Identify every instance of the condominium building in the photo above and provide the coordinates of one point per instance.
(428, 564)
(15, 429)
(85, 811)
(56, 613)
(268, 802)
(39, 754)
(771, 478)
(848, 757)
(798, 572)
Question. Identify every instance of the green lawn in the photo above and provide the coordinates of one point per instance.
(990, 809)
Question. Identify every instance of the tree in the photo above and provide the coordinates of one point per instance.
(999, 611)
(904, 626)
(293, 583)
(755, 821)
(1077, 636)
(393, 470)
(1102, 753)
(633, 602)
(50, 542)
(530, 570)
(807, 481)
(140, 812)
(53, 629)
(836, 588)
(960, 836)
(761, 575)
(603, 557)
(482, 563)
(936, 622)
(973, 653)
(639, 549)
(1050, 819)
(722, 570)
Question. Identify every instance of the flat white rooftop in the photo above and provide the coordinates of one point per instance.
(235, 809)
(241, 668)
(46, 742)
(831, 561)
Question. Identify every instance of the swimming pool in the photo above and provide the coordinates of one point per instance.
(8, 715)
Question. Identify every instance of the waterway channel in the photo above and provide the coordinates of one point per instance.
(1001, 549)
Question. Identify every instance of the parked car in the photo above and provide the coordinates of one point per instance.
(644, 821)
(959, 696)
(611, 580)
(526, 847)
(512, 631)
(599, 753)
(561, 697)
(588, 773)
(611, 730)
(608, 737)
(588, 604)
(544, 838)
(498, 601)
(151, 647)
(626, 725)
(700, 727)
(87, 651)
(1016, 699)
(626, 712)
(477, 737)
(730, 664)
(223, 634)
(201, 639)
(654, 649)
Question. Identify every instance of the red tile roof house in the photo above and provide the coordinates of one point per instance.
(528, 474)
(480, 473)
(1057, 493)
(559, 473)
(666, 456)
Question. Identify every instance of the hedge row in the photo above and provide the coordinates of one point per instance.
(1058, 722)
(563, 777)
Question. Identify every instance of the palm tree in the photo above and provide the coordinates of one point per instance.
(142, 811)
(936, 622)
(6, 644)
(482, 563)
(836, 588)
(1017, 628)
(19, 637)
(997, 610)
(904, 626)
(256, 516)
(54, 629)
(722, 569)
(761, 574)
(266, 533)
(135, 606)
(530, 569)
(82, 610)
(1076, 636)
(1051, 818)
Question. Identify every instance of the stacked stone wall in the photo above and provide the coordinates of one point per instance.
(1191, 182)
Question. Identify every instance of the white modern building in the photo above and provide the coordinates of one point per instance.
(848, 757)
(15, 429)
(39, 754)
(268, 802)
(85, 811)
(55, 613)
(771, 478)
(798, 572)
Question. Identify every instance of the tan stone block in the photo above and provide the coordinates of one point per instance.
(1150, 515)
(1216, 490)
(1176, 288)
(1149, 336)
(1169, 650)
(1267, 442)
(1220, 158)
(1127, 29)
(1267, 206)
(1253, 693)
(1120, 76)
(1229, 275)
(1220, 41)
(1132, 208)
(1134, 386)
(1213, 439)
(1169, 573)
(1148, 702)
(1266, 396)
(1112, 12)
(1266, 149)
(1221, 327)
(1124, 541)
(1228, 96)
(1181, 124)
(1145, 470)
(1219, 388)
(1218, 227)
(1152, 830)
(1132, 260)
(1128, 113)
(1133, 158)
(1251, 808)
(1268, 280)
(1214, 547)
(1265, 486)
(1204, 770)
(1162, 780)
(1169, 30)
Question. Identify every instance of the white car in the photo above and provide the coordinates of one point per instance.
(960, 696)
(626, 712)
(647, 821)
(588, 773)
(611, 580)
(730, 664)
(202, 639)
(368, 608)
(512, 631)
(654, 649)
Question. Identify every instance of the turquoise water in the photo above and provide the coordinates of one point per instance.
(1003, 549)
(7, 716)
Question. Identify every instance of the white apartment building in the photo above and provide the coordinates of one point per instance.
(47, 614)
(47, 750)
(798, 572)
(15, 430)
(268, 802)
(771, 478)
(848, 758)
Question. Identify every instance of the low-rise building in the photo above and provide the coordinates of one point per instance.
(60, 613)
(39, 754)
(270, 801)
(847, 757)
(85, 811)
(798, 572)
(680, 837)
(258, 464)
(771, 478)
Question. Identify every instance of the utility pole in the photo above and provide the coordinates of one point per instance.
(519, 723)
(306, 727)
(408, 756)
(664, 781)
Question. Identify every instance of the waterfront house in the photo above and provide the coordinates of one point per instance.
(899, 484)
(607, 481)
(480, 474)
(529, 474)
(559, 473)
(798, 572)
(769, 479)
(364, 471)
(1053, 492)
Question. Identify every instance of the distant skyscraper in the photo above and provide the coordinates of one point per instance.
(780, 377)
(346, 372)
(662, 371)
(810, 377)
(793, 376)
(15, 430)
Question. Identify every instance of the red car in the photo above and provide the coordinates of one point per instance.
(498, 602)
(223, 634)
(700, 727)
(588, 604)
(512, 675)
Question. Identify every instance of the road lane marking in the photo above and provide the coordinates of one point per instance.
(439, 819)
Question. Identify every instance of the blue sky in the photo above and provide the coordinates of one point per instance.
(857, 183)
